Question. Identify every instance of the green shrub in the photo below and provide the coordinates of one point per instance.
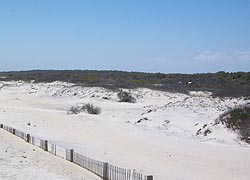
(238, 119)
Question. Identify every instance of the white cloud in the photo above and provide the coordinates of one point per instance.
(211, 56)
(243, 55)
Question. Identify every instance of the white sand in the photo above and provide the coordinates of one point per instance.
(22, 161)
(162, 143)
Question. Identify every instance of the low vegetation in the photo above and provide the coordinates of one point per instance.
(74, 110)
(91, 109)
(238, 119)
(88, 107)
(126, 97)
(222, 84)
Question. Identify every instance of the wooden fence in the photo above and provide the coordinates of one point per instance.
(104, 170)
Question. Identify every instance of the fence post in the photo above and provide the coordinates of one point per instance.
(72, 155)
(106, 171)
(13, 131)
(1, 125)
(150, 177)
(69, 155)
(28, 138)
(45, 145)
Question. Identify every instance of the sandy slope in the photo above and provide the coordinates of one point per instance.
(155, 135)
(19, 161)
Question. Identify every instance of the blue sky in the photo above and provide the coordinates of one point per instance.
(177, 36)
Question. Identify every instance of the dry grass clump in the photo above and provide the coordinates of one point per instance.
(91, 109)
(88, 107)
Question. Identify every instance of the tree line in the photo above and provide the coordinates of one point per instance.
(222, 84)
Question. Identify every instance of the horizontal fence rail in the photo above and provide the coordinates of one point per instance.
(104, 170)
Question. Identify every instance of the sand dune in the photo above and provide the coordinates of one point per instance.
(162, 134)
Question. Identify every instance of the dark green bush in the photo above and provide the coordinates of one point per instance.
(238, 119)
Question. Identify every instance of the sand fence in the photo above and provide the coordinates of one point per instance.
(104, 170)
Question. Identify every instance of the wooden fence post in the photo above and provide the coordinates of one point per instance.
(70, 155)
(13, 131)
(28, 138)
(1, 125)
(150, 177)
(45, 145)
(106, 171)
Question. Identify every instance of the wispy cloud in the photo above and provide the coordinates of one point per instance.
(219, 56)
(211, 56)
(243, 55)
